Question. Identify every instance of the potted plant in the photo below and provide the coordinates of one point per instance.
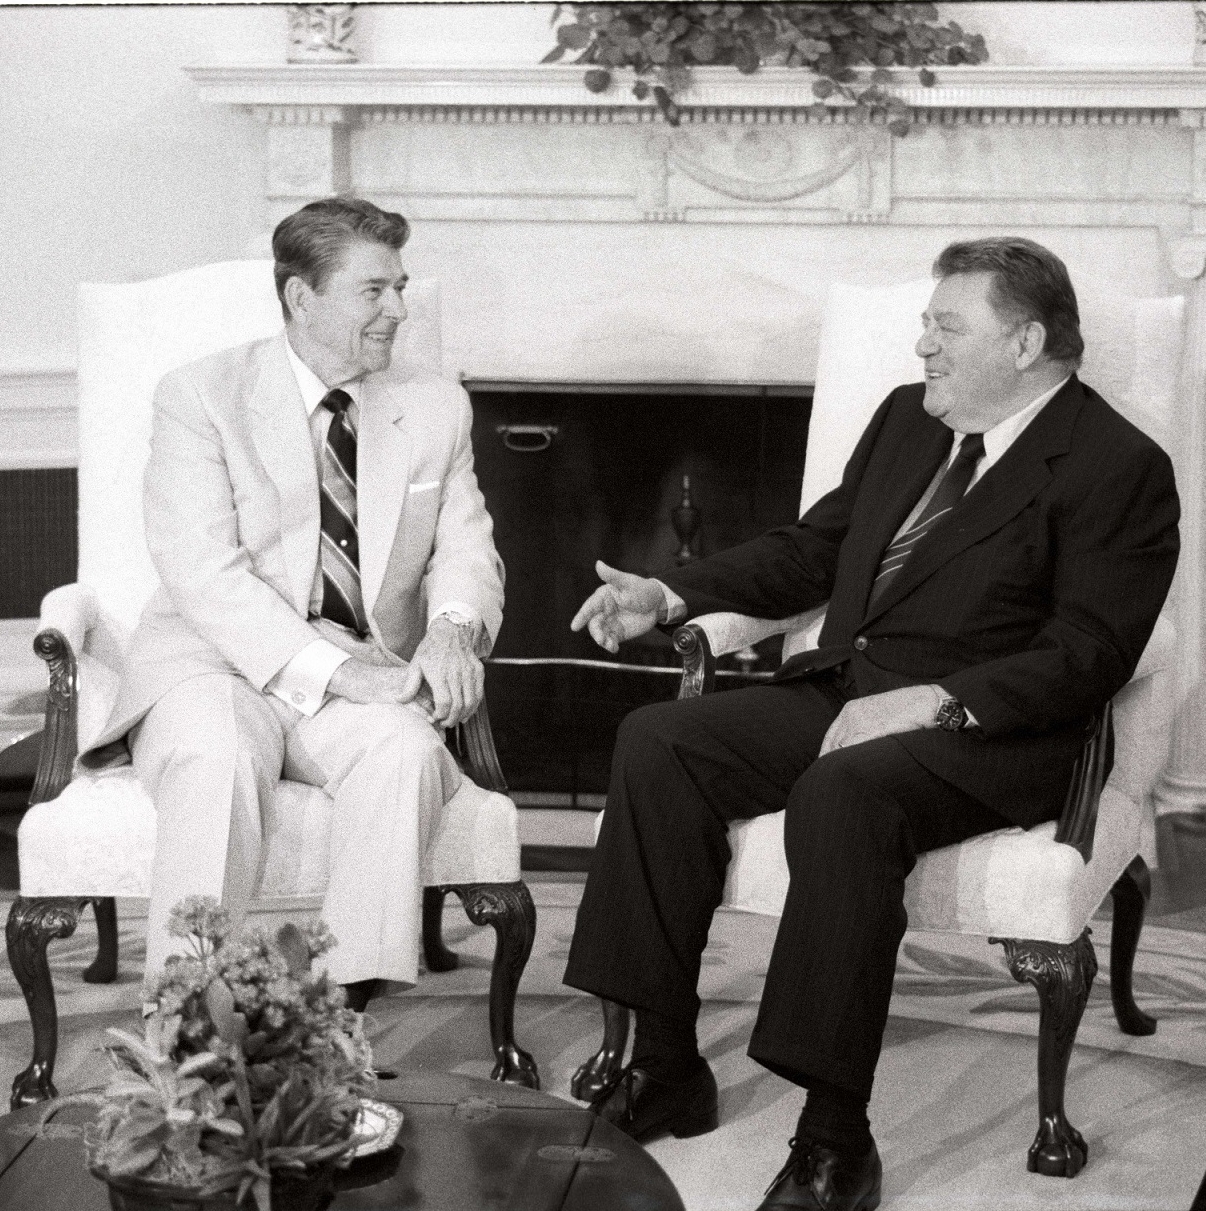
(848, 47)
(247, 1084)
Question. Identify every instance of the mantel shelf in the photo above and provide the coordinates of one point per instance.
(370, 85)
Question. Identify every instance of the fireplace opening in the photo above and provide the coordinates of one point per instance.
(640, 476)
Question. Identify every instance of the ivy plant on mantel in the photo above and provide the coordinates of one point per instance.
(848, 47)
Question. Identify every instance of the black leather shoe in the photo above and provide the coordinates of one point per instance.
(358, 994)
(643, 1107)
(816, 1178)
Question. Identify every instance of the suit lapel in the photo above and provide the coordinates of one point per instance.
(1004, 491)
(281, 432)
(385, 450)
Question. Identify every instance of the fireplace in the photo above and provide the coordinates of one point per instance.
(575, 472)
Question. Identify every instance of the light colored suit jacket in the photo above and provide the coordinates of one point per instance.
(231, 507)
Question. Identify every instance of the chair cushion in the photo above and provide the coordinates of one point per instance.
(1014, 883)
(98, 839)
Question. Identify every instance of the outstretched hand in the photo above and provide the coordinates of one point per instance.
(622, 607)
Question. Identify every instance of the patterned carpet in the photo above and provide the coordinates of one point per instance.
(954, 1107)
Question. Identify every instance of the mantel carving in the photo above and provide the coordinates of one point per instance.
(749, 148)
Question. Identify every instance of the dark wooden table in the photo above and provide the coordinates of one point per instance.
(466, 1145)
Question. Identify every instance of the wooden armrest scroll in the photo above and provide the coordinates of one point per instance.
(1078, 822)
(699, 665)
(478, 747)
(57, 754)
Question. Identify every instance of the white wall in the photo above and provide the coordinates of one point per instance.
(114, 169)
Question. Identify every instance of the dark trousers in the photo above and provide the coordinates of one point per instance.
(856, 821)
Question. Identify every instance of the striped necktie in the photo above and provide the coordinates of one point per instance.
(342, 601)
(950, 490)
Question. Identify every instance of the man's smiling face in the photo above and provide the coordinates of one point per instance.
(351, 322)
(971, 355)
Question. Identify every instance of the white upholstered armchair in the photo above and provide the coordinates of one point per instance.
(1033, 891)
(91, 836)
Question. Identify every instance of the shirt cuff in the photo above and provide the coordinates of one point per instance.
(302, 683)
(676, 607)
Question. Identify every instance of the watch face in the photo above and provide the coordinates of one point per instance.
(951, 715)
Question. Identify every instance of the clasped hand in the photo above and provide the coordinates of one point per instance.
(622, 607)
(444, 678)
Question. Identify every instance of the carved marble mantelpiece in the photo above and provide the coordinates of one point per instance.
(1105, 145)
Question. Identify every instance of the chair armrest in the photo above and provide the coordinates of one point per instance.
(731, 632)
(1078, 821)
(71, 610)
(701, 641)
(56, 755)
(67, 616)
(699, 662)
(477, 746)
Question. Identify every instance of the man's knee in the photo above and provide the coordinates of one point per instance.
(836, 795)
(649, 731)
(379, 724)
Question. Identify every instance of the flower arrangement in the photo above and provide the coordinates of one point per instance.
(848, 47)
(250, 1070)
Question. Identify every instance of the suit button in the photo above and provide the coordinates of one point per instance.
(298, 698)
(860, 644)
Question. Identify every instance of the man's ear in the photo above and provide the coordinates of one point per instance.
(297, 298)
(1032, 340)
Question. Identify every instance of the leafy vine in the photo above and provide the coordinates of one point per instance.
(848, 47)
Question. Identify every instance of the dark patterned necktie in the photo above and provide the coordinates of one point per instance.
(947, 495)
(342, 601)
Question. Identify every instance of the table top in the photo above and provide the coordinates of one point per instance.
(466, 1145)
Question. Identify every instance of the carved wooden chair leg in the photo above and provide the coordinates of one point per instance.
(1062, 973)
(436, 956)
(1130, 895)
(509, 909)
(32, 923)
(602, 1067)
(103, 969)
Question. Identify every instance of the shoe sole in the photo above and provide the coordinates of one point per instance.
(685, 1127)
(869, 1204)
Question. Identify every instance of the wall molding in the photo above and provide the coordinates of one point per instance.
(38, 423)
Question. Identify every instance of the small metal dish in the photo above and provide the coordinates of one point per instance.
(380, 1122)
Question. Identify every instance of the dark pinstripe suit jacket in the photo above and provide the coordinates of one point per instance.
(1031, 603)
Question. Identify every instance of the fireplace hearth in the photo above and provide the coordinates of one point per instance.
(575, 472)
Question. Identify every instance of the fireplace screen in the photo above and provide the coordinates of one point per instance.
(640, 477)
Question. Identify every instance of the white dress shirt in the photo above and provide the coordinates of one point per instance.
(302, 683)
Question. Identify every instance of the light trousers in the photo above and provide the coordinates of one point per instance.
(210, 752)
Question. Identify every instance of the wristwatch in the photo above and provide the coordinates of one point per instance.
(951, 715)
(458, 620)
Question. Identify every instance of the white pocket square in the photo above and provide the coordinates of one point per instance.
(427, 487)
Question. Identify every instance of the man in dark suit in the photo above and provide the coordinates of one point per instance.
(994, 560)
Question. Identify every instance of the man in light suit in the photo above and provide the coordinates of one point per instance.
(329, 585)
(994, 561)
